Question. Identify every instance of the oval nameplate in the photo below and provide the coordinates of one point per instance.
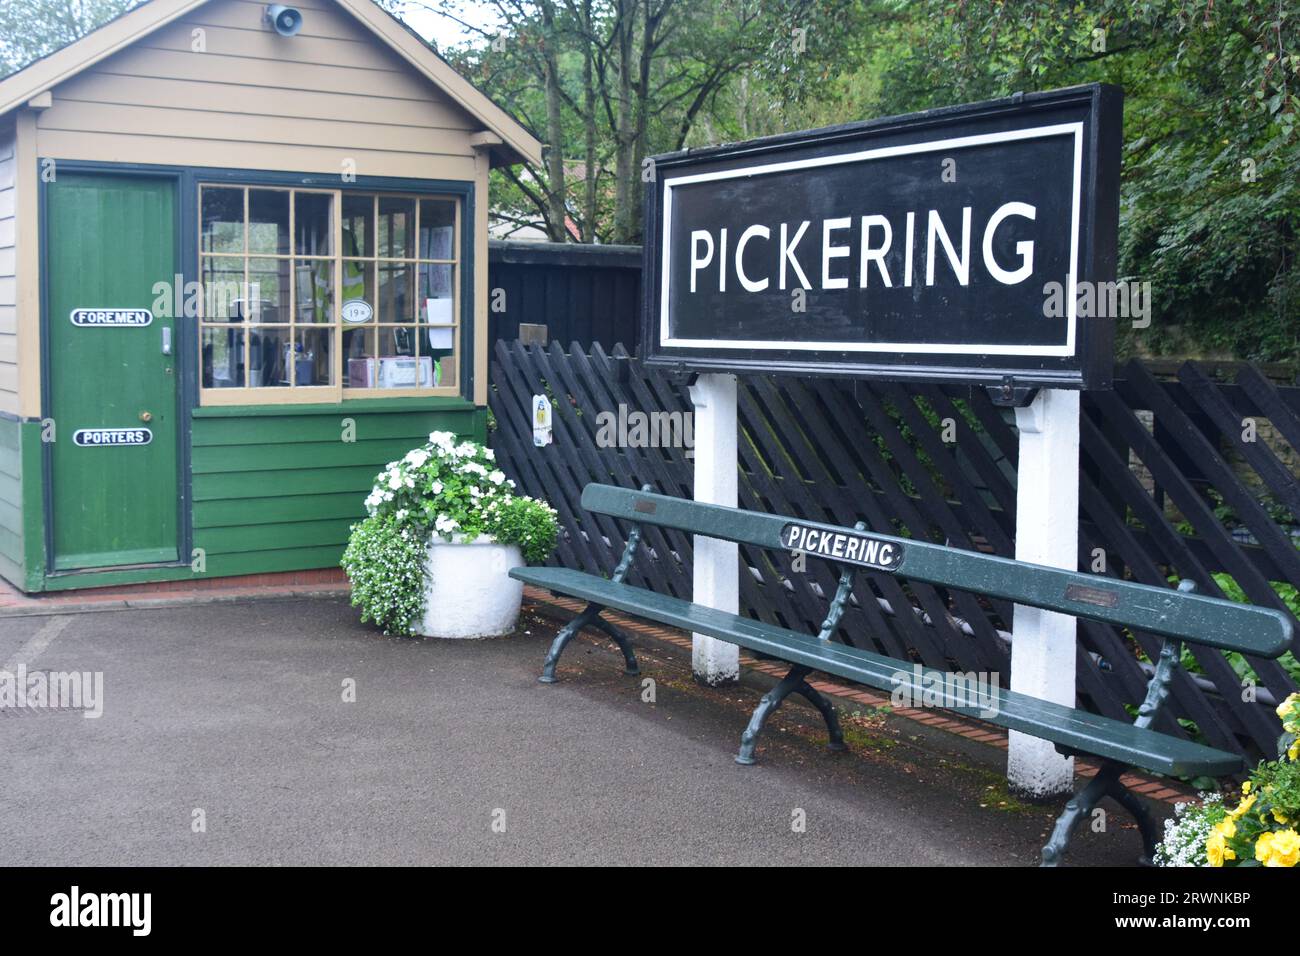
(106, 437)
(130, 318)
(357, 311)
(850, 547)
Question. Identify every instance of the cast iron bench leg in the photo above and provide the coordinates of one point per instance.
(1106, 783)
(1151, 835)
(590, 616)
(791, 683)
(621, 639)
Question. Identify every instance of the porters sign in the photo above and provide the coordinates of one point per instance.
(108, 437)
(948, 246)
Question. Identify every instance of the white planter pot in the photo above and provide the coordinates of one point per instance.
(470, 592)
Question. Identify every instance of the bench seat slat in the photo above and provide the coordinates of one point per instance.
(1214, 622)
(1070, 728)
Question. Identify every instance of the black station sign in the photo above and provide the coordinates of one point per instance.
(950, 245)
(849, 547)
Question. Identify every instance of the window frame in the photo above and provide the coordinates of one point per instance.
(461, 200)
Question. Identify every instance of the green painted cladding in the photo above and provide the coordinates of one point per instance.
(278, 491)
(22, 529)
(11, 499)
(274, 489)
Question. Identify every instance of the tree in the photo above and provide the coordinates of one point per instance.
(37, 28)
(626, 79)
(1210, 210)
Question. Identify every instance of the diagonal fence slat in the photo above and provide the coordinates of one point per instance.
(1168, 488)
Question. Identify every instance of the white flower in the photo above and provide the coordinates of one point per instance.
(445, 525)
(443, 441)
(416, 457)
(436, 488)
(394, 481)
(401, 514)
(491, 455)
(497, 477)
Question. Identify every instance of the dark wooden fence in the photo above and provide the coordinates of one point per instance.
(582, 293)
(1169, 487)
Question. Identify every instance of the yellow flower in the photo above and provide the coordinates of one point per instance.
(1214, 849)
(1293, 752)
(1278, 848)
(1242, 807)
(1246, 787)
(1289, 712)
(1264, 847)
(1279, 816)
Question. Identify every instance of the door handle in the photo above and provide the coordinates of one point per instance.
(166, 340)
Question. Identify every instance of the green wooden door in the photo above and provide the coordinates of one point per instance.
(113, 391)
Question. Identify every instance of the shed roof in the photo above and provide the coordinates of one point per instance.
(507, 139)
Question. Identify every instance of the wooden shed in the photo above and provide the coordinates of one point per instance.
(239, 272)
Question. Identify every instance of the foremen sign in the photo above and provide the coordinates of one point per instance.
(919, 247)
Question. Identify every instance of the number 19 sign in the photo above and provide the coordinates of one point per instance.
(922, 247)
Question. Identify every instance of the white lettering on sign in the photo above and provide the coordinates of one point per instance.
(132, 318)
(945, 247)
(104, 437)
(847, 546)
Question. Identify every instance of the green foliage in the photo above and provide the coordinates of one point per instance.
(384, 560)
(529, 524)
(1240, 665)
(1210, 197)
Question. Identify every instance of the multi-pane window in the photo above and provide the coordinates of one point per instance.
(316, 295)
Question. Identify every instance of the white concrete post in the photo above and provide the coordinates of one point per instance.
(1047, 532)
(716, 583)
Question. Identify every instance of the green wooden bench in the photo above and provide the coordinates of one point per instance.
(1178, 616)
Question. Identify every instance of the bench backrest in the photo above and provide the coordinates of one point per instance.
(1263, 632)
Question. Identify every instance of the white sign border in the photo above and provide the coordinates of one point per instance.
(961, 142)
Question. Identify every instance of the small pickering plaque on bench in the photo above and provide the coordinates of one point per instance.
(842, 545)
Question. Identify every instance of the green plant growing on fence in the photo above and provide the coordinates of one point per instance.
(1240, 665)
